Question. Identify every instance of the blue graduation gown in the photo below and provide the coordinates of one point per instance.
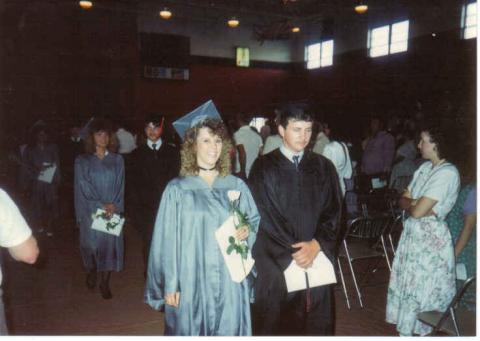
(98, 182)
(185, 257)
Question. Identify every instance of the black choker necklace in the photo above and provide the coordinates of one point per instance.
(207, 169)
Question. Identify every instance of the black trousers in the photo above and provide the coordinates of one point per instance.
(290, 317)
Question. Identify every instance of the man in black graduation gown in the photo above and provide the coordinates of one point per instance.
(297, 193)
(154, 164)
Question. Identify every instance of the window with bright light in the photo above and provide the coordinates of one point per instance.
(399, 37)
(326, 53)
(379, 41)
(319, 54)
(469, 21)
(388, 39)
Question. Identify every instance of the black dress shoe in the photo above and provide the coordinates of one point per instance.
(91, 280)
(105, 291)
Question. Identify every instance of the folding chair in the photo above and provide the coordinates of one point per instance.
(391, 235)
(360, 241)
(455, 320)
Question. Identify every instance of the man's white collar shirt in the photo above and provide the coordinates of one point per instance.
(158, 144)
(289, 154)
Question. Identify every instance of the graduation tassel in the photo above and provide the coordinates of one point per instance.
(307, 293)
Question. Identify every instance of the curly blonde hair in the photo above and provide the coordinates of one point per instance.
(101, 125)
(188, 153)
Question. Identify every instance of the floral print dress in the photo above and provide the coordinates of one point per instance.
(423, 271)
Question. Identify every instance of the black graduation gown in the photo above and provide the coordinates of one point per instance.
(150, 173)
(69, 151)
(294, 206)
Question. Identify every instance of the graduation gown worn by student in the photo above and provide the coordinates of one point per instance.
(185, 257)
(152, 170)
(295, 206)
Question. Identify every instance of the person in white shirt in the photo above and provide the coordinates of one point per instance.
(248, 144)
(321, 140)
(126, 141)
(337, 152)
(16, 236)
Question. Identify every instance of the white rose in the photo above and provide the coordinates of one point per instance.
(233, 195)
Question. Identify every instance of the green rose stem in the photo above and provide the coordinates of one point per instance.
(239, 219)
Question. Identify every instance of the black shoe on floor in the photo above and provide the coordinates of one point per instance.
(91, 280)
(105, 291)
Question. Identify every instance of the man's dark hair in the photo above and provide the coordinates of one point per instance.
(155, 119)
(293, 114)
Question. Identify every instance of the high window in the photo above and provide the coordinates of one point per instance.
(319, 54)
(388, 39)
(469, 21)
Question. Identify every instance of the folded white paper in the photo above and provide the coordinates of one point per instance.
(105, 225)
(320, 273)
(47, 174)
(461, 271)
(237, 267)
(378, 183)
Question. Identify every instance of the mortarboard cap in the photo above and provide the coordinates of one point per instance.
(198, 115)
(84, 130)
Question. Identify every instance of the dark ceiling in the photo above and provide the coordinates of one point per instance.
(286, 8)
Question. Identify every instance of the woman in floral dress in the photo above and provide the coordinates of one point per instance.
(423, 273)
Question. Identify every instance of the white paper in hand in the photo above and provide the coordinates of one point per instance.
(101, 224)
(461, 271)
(47, 174)
(320, 273)
(238, 268)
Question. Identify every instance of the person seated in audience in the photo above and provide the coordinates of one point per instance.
(423, 270)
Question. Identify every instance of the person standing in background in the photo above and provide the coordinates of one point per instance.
(423, 269)
(248, 144)
(321, 140)
(42, 159)
(99, 184)
(154, 164)
(378, 149)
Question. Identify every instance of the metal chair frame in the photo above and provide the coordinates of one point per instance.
(448, 321)
(361, 240)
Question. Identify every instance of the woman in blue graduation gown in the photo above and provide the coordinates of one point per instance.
(187, 275)
(99, 183)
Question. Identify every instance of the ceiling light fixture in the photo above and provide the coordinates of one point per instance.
(165, 13)
(295, 29)
(85, 4)
(233, 22)
(361, 7)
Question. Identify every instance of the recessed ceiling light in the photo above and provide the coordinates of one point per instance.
(85, 4)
